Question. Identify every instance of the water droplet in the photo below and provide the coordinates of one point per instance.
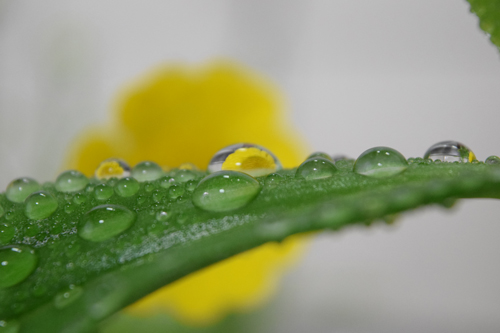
(321, 155)
(147, 171)
(112, 167)
(69, 208)
(274, 179)
(149, 186)
(380, 162)
(141, 199)
(162, 216)
(10, 326)
(493, 160)
(316, 168)
(17, 262)
(191, 185)
(450, 151)
(68, 296)
(167, 181)
(185, 175)
(104, 222)
(127, 187)
(225, 191)
(248, 158)
(175, 191)
(40, 205)
(103, 192)
(32, 229)
(71, 181)
(7, 232)
(18, 190)
(157, 195)
(80, 198)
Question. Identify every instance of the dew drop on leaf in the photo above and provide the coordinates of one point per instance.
(19, 189)
(40, 205)
(17, 262)
(316, 168)
(175, 191)
(147, 171)
(112, 167)
(320, 154)
(103, 192)
(274, 179)
(68, 296)
(493, 160)
(225, 191)
(248, 158)
(71, 181)
(450, 151)
(127, 187)
(380, 162)
(104, 222)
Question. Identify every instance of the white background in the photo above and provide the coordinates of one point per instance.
(356, 74)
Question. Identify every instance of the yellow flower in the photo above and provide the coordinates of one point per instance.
(179, 114)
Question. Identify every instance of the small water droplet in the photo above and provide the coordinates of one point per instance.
(141, 199)
(162, 216)
(316, 168)
(450, 151)
(167, 181)
(380, 162)
(40, 205)
(9, 326)
(225, 191)
(274, 179)
(147, 171)
(71, 181)
(493, 160)
(68, 296)
(7, 232)
(103, 192)
(248, 158)
(104, 222)
(157, 196)
(127, 187)
(149, 186)
(19, 189)
(69, 208)
(185, 175)
(112, 167)
(32, 229)
(191, 185)
(175, 191)
(80, 198)
(321, 155)
(17, 262)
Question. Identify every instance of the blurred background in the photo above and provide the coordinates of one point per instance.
(355, 74)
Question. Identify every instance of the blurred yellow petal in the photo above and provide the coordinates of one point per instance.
(180, 114)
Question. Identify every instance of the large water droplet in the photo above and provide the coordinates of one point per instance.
(380, 162)
(225, 191)
(248, 158)
(17, 262)
(103, 192)
(71, 181)
(104, 222)
(127, 187)
(68, 296)
(450, 151)
(40, 205)
(19, 189)
(493, 160)
(112, 167)
(147, 171)
(7, 232)
(316, 168)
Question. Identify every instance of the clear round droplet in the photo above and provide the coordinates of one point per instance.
(162, 216)
(183, 176)
(225, 190)
(243, 157)
(7, 232)
(321, 155)
(103, 192)
(40, 205)
(492, 160)
(17, 262)
(19, 189)
(450, 151)
(80, 198)
(71, 181)
(127, 187)
(175, 191)
(147, 171)
(112, 167)
(316, 168)
(274, 179)
(380, 162)
(68, 296)
(104, 222)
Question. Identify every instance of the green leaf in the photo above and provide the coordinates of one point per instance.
(488, 12)
(109, 274)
